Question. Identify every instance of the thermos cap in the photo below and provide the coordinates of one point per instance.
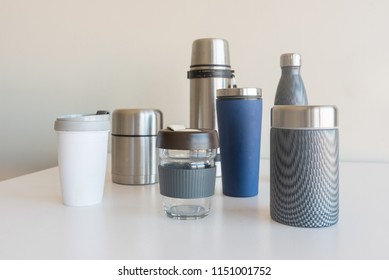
(83, 122)
(187, 139)
(304, 117)
(210, 52)
(136, 122)
(290, 59)
(239, 93)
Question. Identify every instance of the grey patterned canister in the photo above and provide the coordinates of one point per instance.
(304, 165)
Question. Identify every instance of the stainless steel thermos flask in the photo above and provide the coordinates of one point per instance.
(134, 152)
(210, 70)
(304, 165)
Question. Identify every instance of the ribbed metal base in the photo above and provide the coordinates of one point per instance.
(304, 184)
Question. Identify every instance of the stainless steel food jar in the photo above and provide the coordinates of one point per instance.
(134, 155)
(304, 165)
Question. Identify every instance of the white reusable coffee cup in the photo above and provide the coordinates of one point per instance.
(82, 144)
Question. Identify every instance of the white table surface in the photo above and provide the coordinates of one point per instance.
(130, 223)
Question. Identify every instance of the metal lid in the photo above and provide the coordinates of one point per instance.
(304, 117)
(136, 122)
(210, 52)
(187, 139)
(290, 59)
(83, 122)
(239, 93)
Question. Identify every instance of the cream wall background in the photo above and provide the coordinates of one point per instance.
(77, 56)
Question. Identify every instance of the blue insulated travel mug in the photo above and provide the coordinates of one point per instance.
(239, 114)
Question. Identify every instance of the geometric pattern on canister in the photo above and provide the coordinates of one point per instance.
(304, 177)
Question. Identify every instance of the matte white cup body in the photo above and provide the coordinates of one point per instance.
(82, 161)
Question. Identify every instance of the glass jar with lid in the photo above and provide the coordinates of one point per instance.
(187, 171)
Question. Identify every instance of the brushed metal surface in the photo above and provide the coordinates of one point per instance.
(304, 117)
(241, 93)
(290, 59)
(208, 54)
(136, 121)
(203, 101)
(134, 160)
(210, 51)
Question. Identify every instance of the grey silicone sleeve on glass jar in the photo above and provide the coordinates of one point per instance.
(304, 185)
(187, 183)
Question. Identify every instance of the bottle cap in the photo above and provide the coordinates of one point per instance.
(290, 59)
(210, 52)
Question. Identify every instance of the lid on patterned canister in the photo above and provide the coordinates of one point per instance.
(304, 117)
